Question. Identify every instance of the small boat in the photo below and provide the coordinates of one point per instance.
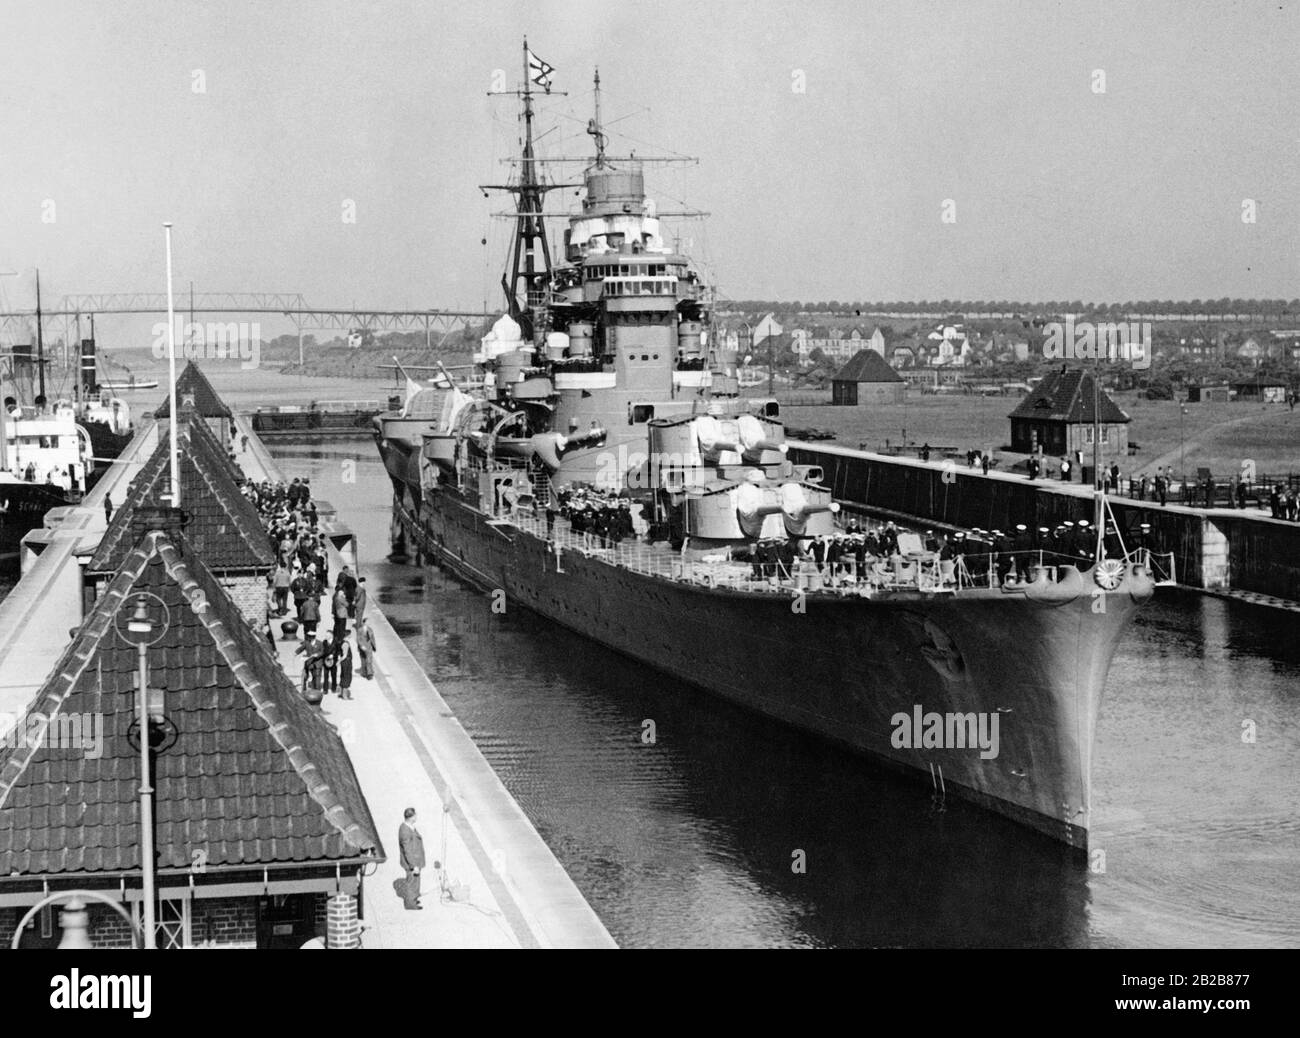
(129, 384)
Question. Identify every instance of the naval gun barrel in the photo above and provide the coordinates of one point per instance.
(551, 447)
(804, 511)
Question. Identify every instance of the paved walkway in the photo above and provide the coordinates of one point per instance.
(506, 888)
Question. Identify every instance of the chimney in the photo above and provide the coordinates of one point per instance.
(148, 518)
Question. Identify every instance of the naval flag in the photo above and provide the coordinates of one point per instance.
(539, 71)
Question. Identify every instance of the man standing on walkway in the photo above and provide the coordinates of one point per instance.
(309, 615)
(412, 847)
(344, 653)
(359, 603)
(108, 508)
(348, 582)
(280, 581)
(340, 611)
(366, 649)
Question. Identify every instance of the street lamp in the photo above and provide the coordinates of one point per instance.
(1182, 460)
(150, 732)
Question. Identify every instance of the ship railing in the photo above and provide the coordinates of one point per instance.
(1159, 564)
(924, 572)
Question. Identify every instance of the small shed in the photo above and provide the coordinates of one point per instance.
(1056, 417)
(1261, 388)
(867, 379)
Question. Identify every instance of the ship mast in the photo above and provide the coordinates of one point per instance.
(530, 242)
(1098, 493)
(40, 339)
(593, 127)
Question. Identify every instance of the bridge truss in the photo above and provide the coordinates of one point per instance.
(291, 305)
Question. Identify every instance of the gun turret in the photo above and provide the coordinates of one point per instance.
(799, 510)
(753, 506)
(551, 447)
(716, 437)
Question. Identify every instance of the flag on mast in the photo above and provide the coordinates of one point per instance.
(539, 71)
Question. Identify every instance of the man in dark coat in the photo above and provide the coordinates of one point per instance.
(343, 652)
(309, 616)
(412, 856)
(339, 610)
(362, 599)
(348, 583)
(313, 652)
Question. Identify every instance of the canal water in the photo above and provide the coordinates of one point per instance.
(689, 841)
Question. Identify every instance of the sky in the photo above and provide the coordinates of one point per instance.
(964, 149)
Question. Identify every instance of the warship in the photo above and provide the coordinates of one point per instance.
(600, 469)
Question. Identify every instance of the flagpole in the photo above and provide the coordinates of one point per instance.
(171, 373)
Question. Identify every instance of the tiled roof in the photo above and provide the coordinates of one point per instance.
(256, 775)
(225, 530)
(203, 431)
(206, 401)
(867, 366)
(1066, 396)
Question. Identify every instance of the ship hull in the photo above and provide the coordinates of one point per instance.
(846, 668)
(22, 509)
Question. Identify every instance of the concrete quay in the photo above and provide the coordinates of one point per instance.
(1222, 551)
(498, 884)
(409, 750)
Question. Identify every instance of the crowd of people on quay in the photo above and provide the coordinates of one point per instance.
(302, 572)
(1159, 486)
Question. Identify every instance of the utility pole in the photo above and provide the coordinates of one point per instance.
(171, 374)
(771, 366)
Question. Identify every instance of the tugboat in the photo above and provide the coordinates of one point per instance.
(598, 470)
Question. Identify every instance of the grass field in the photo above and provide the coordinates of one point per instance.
(1217, 436)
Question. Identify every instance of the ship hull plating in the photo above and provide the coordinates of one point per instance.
(845, 668)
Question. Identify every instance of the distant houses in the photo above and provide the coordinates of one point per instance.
(840, 344)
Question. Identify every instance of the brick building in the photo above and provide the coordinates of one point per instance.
(262, 834)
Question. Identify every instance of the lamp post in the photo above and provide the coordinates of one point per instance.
(748, 345)
(149, 730)
(1182, 460)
